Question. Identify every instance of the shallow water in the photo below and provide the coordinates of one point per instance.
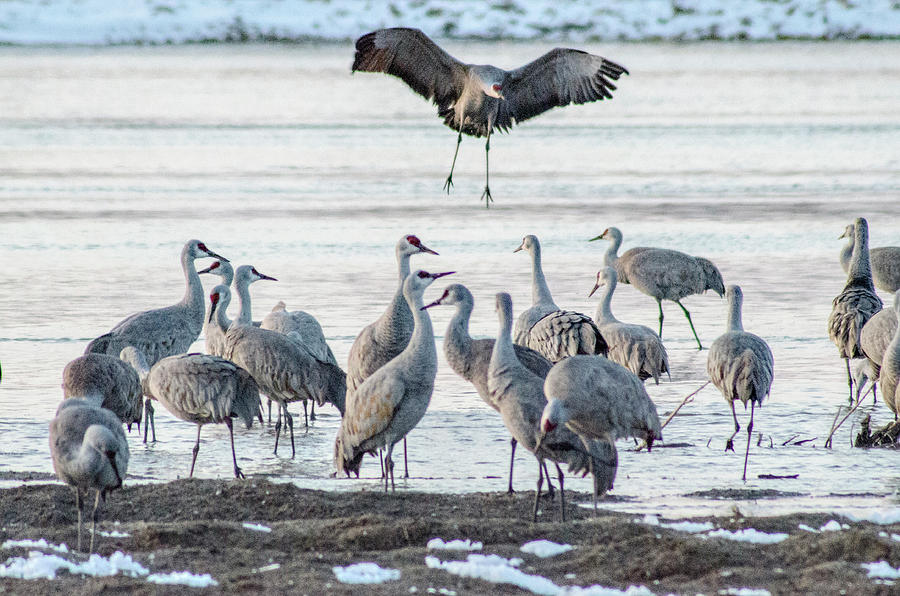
(755, 156)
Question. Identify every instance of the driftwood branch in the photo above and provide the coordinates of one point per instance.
(687, 399)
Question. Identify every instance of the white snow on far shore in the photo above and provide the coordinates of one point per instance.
(882, 517)
(545, 548)
(42, 543)
(43, 566)
(101, 22)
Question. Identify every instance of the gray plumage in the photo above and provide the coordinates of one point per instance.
(477, 99)
(89, 451)
(890, 367)
(544, 327)
(107, 382)
(203, 389)
(519, 394)
(215, 334)
(662, 273)
(875, 336)
(740, 365)
(884, 260)
(282, 370)
(856, 303)
(303, 328)
(382, 341)
(164, 331)
(863, 372)
(636, 347)
(470, 358)
(393, 399)
(243, 277)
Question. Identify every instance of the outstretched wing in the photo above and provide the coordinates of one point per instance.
(558, 78)
(411, 55)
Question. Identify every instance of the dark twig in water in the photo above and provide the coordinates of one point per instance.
(777, 477)
(687, 399)
(789, 440)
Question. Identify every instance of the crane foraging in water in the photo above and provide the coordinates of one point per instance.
(662, 273)
(741, 366)
(477, 99)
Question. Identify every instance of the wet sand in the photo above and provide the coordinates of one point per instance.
(197, 525)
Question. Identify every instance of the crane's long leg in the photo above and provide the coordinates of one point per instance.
(237, 470)
(312, 411)
(537, 494)
(389, 466)
(305, 416)
(562, 493)
(149, 420)
(550, 489)
(512, 460)
(405, 462)
(270, 411)
(278, 428)
(729, 445)
(78, 506)
(196, 450)
(94, 517)
(449, 182)
(749, 437)
(659, 304)
(849, 379)
(290, 424)
(688, 315)
(486, 195)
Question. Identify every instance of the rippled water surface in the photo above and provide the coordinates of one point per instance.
(755, 156)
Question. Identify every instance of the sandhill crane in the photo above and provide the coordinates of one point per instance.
(217, 325)
(874, 338)
(107, 382)
(163, 331)
(890, 367)
(662, 273)
(884, 260)
(470, 358)
(393, 399)
(203, 389)
(476, 99)
(304, 329)
(856, 303)
(520, 397)
(555, 333)
(382, 341)
(636, 347)
(741, 366)
(89, 451)
(283, 371)
(863, 371)
(598, 400)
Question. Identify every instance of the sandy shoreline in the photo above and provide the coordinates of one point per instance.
(198, 526)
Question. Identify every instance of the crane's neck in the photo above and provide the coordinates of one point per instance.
(847, 254)
(221, 319)
(504, 354)
(421, 347)
(395, 326)
(540, 292)
(612, 252)
(604, 307)
(245, 316)
(735, 304)
(457, 341)
(87, 460)
(860, 272)
(193, 291)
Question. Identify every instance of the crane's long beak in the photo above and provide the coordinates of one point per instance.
(438, 275)
(423, 248)
(600, 237)
(540, 440)
(214, 302)
(210, 253)
(207, 270)
(596, 286)
(111, 456)
(264, 276)
(521, 247)
(435, 303)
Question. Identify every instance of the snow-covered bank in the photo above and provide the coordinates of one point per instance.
(100, 22)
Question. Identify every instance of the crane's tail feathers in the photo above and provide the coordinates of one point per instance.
(605, 464)
(99, 345)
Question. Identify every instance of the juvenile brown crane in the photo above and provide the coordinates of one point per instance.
(477, 99)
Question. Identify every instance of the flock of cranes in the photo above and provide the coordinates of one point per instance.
(567, 389)
(565, 385)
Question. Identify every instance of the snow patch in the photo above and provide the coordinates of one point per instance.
(882, 569)
(183, 578)
(882, 517)
(365, 573)
(748, 535)
(680, 526)
(439, 544)
(43, 566)
(42, 543)
(499, 570)
(745, 592)
(545, 548)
